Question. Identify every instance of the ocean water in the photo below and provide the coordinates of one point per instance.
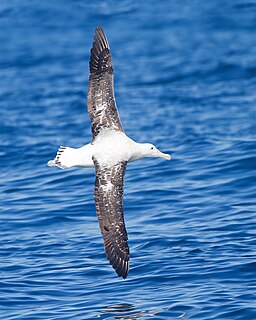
(185, 80)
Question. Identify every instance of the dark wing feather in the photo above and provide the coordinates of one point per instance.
(101, 99)
(108, 193)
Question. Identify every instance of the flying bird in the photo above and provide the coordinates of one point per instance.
(109, 152)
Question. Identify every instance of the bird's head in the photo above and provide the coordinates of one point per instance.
(149, 150)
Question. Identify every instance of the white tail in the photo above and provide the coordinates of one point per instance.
(64, 159)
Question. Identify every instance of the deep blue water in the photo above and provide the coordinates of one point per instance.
(185, 80)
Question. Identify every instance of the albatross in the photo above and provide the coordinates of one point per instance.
(109, 152)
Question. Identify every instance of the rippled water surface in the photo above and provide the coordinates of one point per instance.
(185, 80)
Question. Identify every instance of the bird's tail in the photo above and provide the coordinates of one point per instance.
(64, 158)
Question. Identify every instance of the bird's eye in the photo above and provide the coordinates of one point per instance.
(152, 148)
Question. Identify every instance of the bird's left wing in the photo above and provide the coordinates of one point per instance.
(101, 98)
(108, 194)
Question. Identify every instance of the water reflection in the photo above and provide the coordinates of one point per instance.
(126, 311)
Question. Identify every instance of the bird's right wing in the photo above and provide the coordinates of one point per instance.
(108, 194)
(101, 99)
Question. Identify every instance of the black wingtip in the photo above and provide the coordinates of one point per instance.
(99, 28)
(120, 261)
(100, 60)
(122, 272)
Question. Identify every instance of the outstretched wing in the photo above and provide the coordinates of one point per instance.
(101, 99)
(108, 194)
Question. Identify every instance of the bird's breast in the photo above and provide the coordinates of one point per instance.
(111, 148)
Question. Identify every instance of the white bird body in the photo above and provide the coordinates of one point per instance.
(112, 147)
(109, 148)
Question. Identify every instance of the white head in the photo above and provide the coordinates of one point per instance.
(149, 150)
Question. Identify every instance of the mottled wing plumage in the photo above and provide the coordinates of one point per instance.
(101, 100)
(108, 193)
